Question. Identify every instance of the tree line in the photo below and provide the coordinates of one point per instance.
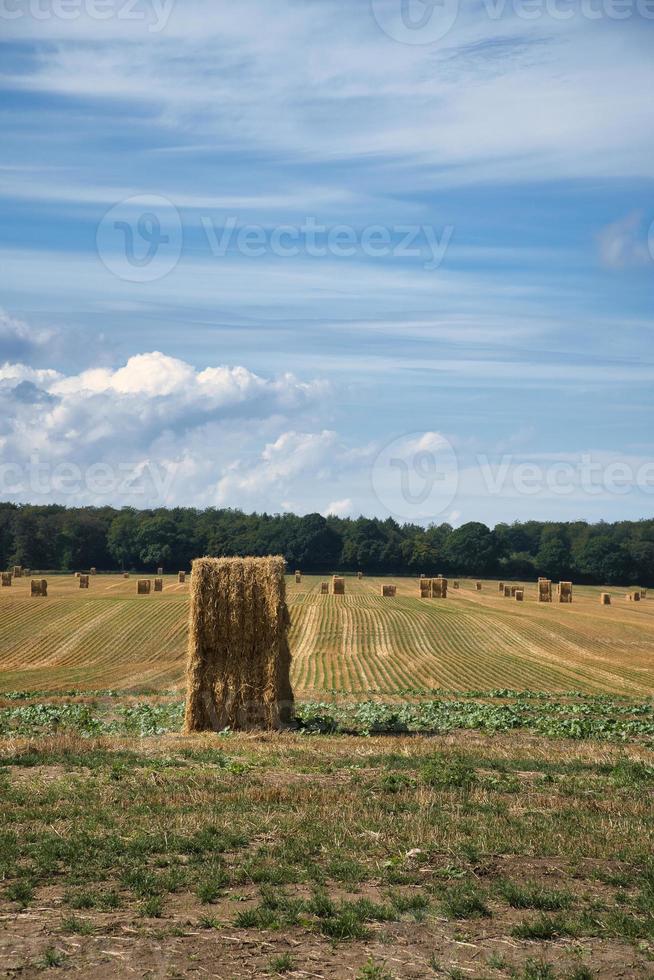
(54, 537)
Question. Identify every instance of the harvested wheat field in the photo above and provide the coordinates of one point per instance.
(486, 828)
(358, 643)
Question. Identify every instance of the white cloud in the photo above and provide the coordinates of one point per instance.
(160, 417)
(339, 508)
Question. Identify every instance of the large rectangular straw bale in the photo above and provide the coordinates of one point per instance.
(338, 585)
(84, 581)
(324, 588)
(6, 579)
(565, 591)
(181, 577)
(519, 595)
(605, 599)
(425, 588)
(238, 670)
(143, 586)
(389, 591)
(544, 590)
(439, 588)
(18, 571)
(158, 585)
(636, 596)
(39, 586)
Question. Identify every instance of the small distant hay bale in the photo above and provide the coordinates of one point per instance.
(643, 593)
(238, 669)
(389, 591)
(500, 587)
(422, 574)
(298, 578)
(565, 591)
(158, 585)
(125, 574)
(455, 584)
(39, 586)
(425, 588)
(77, 574)
(143, 586)
(338, 585)
(514, 589)
(636, 596)
(628, 597)
(478, 586)
(544, 590)
(605, 599)
(181, 577)
(359, 574)
(160, 571)
(519, 595)
(93, 571)
(84, 581)
(324, 588)
(439, 588)
(18, 571)
(507, 591)
(6, 579)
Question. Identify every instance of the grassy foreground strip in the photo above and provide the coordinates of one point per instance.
(575, 716)
(460, 855)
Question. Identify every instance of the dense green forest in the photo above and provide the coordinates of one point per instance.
(54, 537)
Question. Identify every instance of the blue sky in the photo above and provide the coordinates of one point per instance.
(476, 302)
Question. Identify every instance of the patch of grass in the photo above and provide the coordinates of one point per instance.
(538, 970)
(151, 907)
(543, 927)
(21, 892)
(464, 902)
(212, 885)
(374, 971)
(256, 918)
(81, 927)
(534, 896)
(281, 964)
(52, 957)
(448, 771)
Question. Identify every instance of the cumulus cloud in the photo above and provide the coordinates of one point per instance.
(159, 421)
(17, 339)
